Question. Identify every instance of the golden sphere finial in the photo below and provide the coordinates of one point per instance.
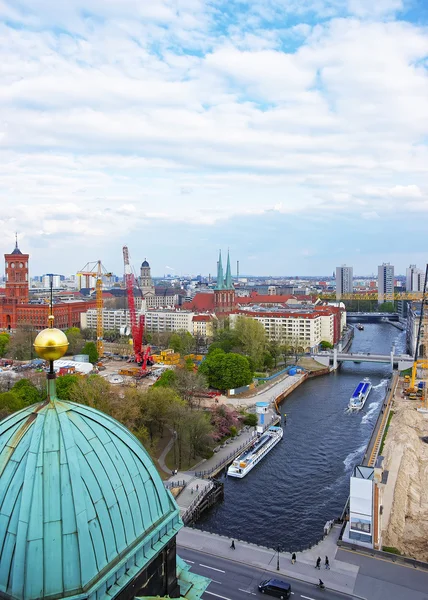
(51, 344)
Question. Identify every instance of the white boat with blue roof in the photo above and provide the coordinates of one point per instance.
(360, 395)
(254, 454)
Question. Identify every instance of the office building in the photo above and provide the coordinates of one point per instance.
(344, 281)
(414, 279)
(385, 283)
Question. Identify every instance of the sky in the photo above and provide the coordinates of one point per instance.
(293, 132)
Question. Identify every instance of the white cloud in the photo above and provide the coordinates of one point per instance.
(169, 111)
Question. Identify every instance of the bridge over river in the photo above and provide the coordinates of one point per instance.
(400, 361)
(371, 317)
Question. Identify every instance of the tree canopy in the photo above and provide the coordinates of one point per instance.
(4, 343)
(91, 350)
(226, 371)
(252, 338)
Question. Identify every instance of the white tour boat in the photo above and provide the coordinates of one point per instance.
(359, 397)
(253, 455)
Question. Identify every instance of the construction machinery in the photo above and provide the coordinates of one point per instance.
(97, 271)
(141, 354)
(423, 361)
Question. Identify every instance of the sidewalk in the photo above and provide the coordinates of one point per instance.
(341, 577)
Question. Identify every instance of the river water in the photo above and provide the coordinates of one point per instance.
(304, 481)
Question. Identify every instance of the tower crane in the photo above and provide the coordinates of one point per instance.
(96, 270)
(141, 355)
(419, 361)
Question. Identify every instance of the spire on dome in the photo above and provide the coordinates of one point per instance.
(228, 283)
(220, 277)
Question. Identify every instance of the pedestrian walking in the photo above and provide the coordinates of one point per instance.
(327, 563)
(293, 558)
(191, 491)
(197, 487)
(318, 564)
(232, 545)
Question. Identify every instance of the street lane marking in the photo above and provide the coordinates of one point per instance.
(246, 591)
(214, 581)
(307, 597)
(216, 595)
(192, 562)
(212, 568)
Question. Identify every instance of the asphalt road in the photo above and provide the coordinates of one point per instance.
(235, 581)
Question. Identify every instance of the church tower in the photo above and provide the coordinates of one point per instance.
(16, 269)
(224, 291)
(146, 283)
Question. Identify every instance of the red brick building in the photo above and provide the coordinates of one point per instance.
(15, 308)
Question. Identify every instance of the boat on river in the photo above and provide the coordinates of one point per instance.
(360, 327)
(360, 395)
(257, 451)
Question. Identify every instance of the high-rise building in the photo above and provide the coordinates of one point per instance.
(414, 279)
(385, 282)
(56, 281)
(344, 281)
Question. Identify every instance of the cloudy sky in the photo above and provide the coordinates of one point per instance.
(294, 132)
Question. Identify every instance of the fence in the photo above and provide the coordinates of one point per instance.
(174, 484)
(223, 462)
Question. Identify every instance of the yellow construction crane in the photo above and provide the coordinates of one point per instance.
(422, 362)
(373, 297)
(97, 271)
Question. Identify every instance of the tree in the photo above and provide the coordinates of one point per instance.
(251, 420)
(91, 350)
(326, 345)
(9, 403)
(226, 371)
(4, 343)
(64, 384)
(268, 360)
(252, 337)
(387, 307)
(167, 379)
(182, 341)
(223, 419)
(189, 384)
(274, 350)
(21, 343)
(26, 392)
(226, 340)
(199, 433)
(75, 340)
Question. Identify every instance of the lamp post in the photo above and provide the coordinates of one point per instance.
(278, 549)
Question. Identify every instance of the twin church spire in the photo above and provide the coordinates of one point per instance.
(224, 283)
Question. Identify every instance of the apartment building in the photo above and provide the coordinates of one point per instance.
(385, 283)
(344, 281)
(413, 318)
(415, 279)
(203, 325)
(112, 319)
(169, 320)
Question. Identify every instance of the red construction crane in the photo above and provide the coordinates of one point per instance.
(141, 355)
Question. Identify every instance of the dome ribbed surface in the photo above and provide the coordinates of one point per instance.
(81, 503)
(145, 264)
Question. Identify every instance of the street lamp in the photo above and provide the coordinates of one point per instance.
(277, 560)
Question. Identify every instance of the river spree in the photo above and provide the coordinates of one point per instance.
(304, 481)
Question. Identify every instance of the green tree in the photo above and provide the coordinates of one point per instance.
(251, 420)
(252, 337)
(75, 340)
(91, 350)
(64, 384)
(4, 343)
(268, 360)
(27, 392)
(225, 339)
(21, 343)
(182, 341)
(326, 345)
(387, 307)
(226, 371)
(198, 430)
(167, 379)
(273, 348)
(189, 385)
(9, 403)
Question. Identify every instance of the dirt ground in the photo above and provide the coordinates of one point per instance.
(405, 496)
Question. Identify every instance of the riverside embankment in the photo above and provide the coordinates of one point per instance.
(304, 481)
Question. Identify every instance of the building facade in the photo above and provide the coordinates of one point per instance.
(385, 283)
(146, 282)
(415, 279)
(413, 320)
(224, 291)
(158, 321)
(15, 306)
(203, 326)
(344, 281)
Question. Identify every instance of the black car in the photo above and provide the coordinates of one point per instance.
(276, 587)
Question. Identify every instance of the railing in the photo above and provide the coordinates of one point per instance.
(225, 461)
(174, 484)
(188, 513)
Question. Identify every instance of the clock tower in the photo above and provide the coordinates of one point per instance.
(16, 269)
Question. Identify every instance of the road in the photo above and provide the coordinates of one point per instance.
(236, 581)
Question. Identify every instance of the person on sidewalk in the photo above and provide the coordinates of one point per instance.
(318, 564)
(327, 563)
(293, 558)
(232, 545)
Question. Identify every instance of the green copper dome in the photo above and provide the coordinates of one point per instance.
(82, 507)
